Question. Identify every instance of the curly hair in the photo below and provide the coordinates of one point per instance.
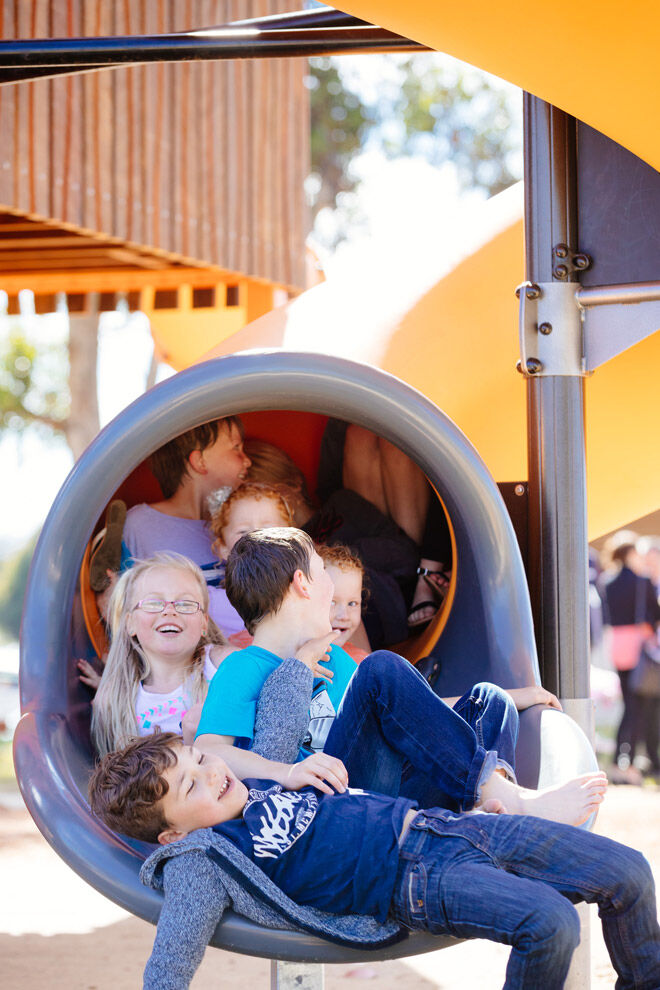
(127, 787)
(340, 556)
(249, 489)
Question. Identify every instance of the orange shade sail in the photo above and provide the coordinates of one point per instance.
(597, 60)
(456, 341)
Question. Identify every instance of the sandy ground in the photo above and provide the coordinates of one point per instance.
(57, 932)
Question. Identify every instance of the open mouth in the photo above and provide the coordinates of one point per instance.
(169, 627)
(225, 787)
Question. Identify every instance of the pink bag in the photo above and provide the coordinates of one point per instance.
(626, 644)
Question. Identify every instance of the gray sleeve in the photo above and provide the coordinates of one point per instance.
(283, 712)
(195, 900)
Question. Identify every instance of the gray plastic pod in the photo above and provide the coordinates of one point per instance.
(488, 636)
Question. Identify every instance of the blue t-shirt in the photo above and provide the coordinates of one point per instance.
(231, 705)
(337, 852)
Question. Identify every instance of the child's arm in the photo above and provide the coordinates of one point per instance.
(283, 712)
(195, 900)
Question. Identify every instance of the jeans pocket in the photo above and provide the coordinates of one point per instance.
(416, 883)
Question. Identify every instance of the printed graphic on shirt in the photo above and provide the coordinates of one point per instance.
(276, 818)
(167, 711)
(321, 716)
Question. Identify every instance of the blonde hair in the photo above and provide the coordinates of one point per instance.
(113, 712)
(249, 489)
(272, 466)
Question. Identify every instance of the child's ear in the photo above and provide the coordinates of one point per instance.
(196, 461)
(170, 835)
(300, 584)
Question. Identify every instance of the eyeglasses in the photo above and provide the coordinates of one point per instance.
(183, 606)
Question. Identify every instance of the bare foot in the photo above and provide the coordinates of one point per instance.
(493, 806)
(570, 803)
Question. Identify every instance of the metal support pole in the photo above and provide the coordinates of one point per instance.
(296, 976)
(558, 549)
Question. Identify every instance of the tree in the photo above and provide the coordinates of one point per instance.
(39, 387)
(13, 581)
(424, 104)
(340, 124)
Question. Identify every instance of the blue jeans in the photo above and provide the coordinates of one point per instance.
(513, 879)
(396, 737)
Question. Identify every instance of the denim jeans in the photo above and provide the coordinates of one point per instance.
(513, 879)
(397, 737)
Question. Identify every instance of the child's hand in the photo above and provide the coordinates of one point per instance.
(314, 652)
(525, 697)
(88, 674)
(319, 770)
(190, 721)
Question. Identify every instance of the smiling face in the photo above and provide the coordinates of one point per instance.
(202, 792)
(225, 464)
(167, 635)
(248, 514)
(346, 605)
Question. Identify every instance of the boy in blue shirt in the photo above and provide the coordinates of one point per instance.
(298, 859)
(381, 719)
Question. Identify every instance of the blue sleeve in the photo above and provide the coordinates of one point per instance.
(230, 708)
(344, 667)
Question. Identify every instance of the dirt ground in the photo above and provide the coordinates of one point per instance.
(57, 932)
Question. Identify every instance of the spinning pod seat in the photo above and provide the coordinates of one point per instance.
(487, 635)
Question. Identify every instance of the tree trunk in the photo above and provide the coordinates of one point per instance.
(83, 423)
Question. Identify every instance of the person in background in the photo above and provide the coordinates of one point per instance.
(632, 611)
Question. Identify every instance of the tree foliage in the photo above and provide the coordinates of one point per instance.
(340, 124)
(13, 581)
(52, 386)
(424, 104)
(29, 394)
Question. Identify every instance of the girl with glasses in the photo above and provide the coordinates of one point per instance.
(165, 650)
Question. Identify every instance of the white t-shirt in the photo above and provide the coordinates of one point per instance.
(167, 710)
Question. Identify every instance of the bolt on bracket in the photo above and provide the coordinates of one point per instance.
(550, 324)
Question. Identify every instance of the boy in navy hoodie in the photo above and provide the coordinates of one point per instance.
(362, 868)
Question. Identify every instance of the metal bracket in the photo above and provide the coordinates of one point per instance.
(565, 262)
(550, 330)
(615, 317)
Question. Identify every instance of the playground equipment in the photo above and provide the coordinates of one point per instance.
(593, 303)
(488, 634)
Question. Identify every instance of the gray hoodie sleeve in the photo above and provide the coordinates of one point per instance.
(283, 712)
(194, 903)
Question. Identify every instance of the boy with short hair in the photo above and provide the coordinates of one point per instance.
(360, 868)
(381, 719)
(189, 469)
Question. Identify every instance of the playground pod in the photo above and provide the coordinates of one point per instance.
(484, 633)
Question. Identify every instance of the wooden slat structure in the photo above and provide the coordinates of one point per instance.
(157, 175)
